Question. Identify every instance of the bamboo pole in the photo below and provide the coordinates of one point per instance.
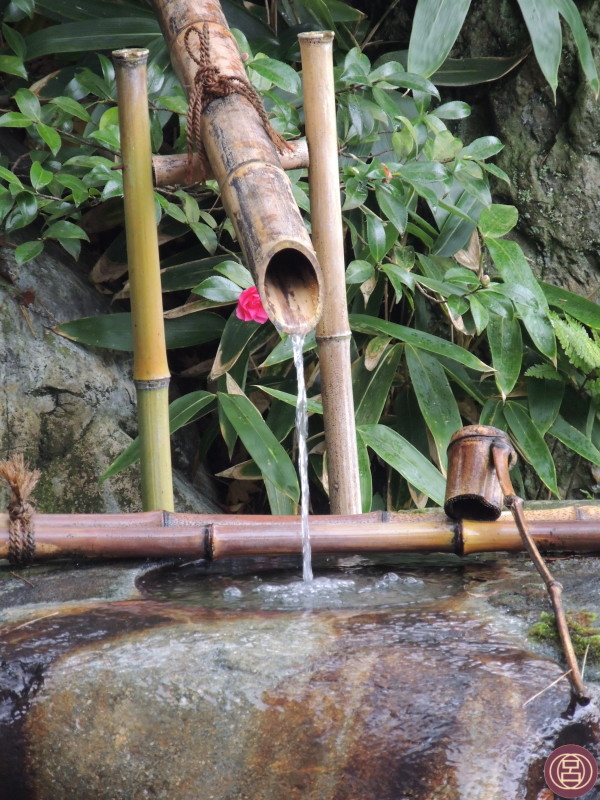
(333, 330)
(150, 368)
(255, 190)
(174, 169)
(169, 535)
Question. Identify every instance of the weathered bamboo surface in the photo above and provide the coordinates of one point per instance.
(157, 534)
(255, 190)
(175, 169)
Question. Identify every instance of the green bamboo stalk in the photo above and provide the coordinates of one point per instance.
(150, 367)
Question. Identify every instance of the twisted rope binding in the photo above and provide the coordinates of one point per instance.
(209, 85)
(21, 536)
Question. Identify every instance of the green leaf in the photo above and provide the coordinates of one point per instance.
(506, 346)
(486, 147)
(236, 336)
(479, 313)
(425, 341)
(570, 12)
(543, 23)
(72, 107)
(28, 250)
(114, 330)
(76, 186)
(376, 238)
(531, 444)
(455, 109)
(15, 41)
(426, 171)
(24, 212)
(455, 231)
(435, 398)
(236, 272)
(50, 136)
(497, 220)
(514, 270)
(28, 104)
(64, 230)
(545, 398)
(574, 439)
(39, 176)
(272, 460)
(88, 36)
(405, 459)
(13, 65)
(14, 119)
(573, 304)
(277, 72)
(372, 387)
(471, 71)
(436, 25)
(283, 350)
(393, 207)
(206, 236)
(492, 414)
(364, 475)
(182, 411)
(313, 406)
(218, 289)
(359, 272)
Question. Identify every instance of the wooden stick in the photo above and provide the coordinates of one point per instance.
(150, 367)
(500, 455)
(333, 330)
(255, 190)
(159, 534)
(174, 169)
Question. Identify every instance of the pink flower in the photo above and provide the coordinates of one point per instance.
(250, 307)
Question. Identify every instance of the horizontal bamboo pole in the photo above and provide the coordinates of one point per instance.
(166, 534)
(174, 169)
(256, 192)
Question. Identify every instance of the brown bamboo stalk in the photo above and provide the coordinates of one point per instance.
(162, 534)
(150, 367)
(333, 330)
(170, 170)
(255, 190)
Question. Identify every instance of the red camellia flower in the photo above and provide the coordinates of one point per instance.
(250, 307)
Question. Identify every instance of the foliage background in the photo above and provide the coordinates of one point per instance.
(412, 193)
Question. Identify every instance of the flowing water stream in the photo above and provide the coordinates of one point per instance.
(301, 435)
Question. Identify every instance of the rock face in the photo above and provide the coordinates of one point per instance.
(68, 408)
(402, 684)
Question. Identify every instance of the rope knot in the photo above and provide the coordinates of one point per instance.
(210, 84)
(21, 482)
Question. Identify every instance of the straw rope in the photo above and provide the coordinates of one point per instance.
(21, 481)
(209, 85)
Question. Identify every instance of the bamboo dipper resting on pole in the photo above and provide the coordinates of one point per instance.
(333, 330)
(150, 369)
(228, 125)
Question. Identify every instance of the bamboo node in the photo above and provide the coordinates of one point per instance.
(209, 85)
(21, 535)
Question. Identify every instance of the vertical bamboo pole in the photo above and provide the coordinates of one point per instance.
(333, 330)
(150, 368)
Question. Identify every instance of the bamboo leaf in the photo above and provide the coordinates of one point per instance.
(435, 28)
(313, 406)
(471, 71)
(182, 411)
(405, 459)
(543, 24)
(114, 330)
(531, 444)
(492, 414)
(236, 336)
(425, 341)
(435, 398)
(279, 503)
(545, 398)
(87, 35)
(506, 346)
(579, 307)
(283, 350)
(273, 461)
(514, 270)
(570, 12)
(574, 439)
(372, 387)
(364, 475)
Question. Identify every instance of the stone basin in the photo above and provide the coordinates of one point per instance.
(404, 678)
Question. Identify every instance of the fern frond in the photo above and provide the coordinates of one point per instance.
(582, 351)
(544, 372)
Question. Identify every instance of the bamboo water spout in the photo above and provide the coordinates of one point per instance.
(255, 190)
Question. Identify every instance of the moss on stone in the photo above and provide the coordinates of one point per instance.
(584, 635)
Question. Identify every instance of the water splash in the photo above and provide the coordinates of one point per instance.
(301, 434)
